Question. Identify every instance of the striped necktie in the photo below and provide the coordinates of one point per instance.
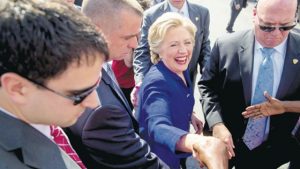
(63, 142)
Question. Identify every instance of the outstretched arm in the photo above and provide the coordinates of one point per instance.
(272, 106)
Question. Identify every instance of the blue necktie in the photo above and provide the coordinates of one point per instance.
(255, 131)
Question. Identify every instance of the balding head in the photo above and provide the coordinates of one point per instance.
(278, 5)
(271, 18)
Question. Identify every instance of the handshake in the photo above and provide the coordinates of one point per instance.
(212, 153)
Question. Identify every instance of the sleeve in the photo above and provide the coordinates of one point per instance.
(157, 110)
(209, 88)
(141, 60)
(109, 137)
(205, 46)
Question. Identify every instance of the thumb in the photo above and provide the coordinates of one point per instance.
(267, 96)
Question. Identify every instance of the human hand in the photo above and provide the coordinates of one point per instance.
(237, 6)
(271, 107)
(134, 94)
(211, 152)
(220, 131)
(197, 123)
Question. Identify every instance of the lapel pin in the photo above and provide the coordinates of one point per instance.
(295, 61)
(197, 18)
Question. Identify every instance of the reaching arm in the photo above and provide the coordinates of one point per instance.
(271, 107)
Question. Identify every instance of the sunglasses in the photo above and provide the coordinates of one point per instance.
(272, 28)
(76, 98)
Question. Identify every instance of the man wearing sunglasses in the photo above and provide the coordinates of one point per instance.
(50, 64)
(242, 66)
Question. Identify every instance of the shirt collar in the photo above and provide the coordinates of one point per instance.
(184, 9)
(279, 48)
(44, 129)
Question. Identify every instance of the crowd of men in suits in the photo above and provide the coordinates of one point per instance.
(55, 74)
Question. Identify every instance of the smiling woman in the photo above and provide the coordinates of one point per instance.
(166, 99)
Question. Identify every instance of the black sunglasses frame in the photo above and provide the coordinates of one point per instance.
(272, 28)
(76, 98)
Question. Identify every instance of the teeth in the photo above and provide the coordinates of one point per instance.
(181, 58)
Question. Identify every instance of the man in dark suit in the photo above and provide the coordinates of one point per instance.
(107, 137)
(236, 7)
(43, 83)
(229, 84)
(199, 15)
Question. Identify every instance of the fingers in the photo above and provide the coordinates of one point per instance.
(197, 154)
(230, 146)
(134, 96)
(195, 126)
(267, 96)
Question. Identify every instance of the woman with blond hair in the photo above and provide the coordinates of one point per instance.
(165, 106)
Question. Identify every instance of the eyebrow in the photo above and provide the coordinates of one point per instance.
(132, 35)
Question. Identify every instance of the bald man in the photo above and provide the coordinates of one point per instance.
(229, 84)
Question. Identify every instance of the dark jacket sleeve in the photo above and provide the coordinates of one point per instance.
(108, 138)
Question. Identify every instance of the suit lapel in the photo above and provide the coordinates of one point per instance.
(246, 63)
(119, 94)
(165, 7)
(38, 151)
(290, 67)
(116, 89)
(194, 16)
(70, 163)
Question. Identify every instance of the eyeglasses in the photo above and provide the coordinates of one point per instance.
(76, 98)
(272, 28)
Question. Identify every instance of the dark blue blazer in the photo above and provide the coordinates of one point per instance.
(164, 111)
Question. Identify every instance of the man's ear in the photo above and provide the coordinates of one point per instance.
(15, 87)
(254, 11)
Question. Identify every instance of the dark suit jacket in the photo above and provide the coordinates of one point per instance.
(199, 16)
(242, 3)
(107, 137)
(22, 147)
(226, 85)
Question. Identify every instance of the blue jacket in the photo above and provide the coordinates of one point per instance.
(164, 112)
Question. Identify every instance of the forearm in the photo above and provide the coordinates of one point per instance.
(185, 143)
(291, 106)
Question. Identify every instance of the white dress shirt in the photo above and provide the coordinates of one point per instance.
(184, 10)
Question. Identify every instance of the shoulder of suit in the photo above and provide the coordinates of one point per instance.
(235, 38)
(155, 9)
(295, 33)
(197, 6)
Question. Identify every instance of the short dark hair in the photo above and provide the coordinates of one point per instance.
(40, 39)
(108, 11)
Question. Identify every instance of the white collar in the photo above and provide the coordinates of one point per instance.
(44, 129)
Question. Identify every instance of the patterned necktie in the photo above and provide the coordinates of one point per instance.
(255, 131)
(62, 141)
